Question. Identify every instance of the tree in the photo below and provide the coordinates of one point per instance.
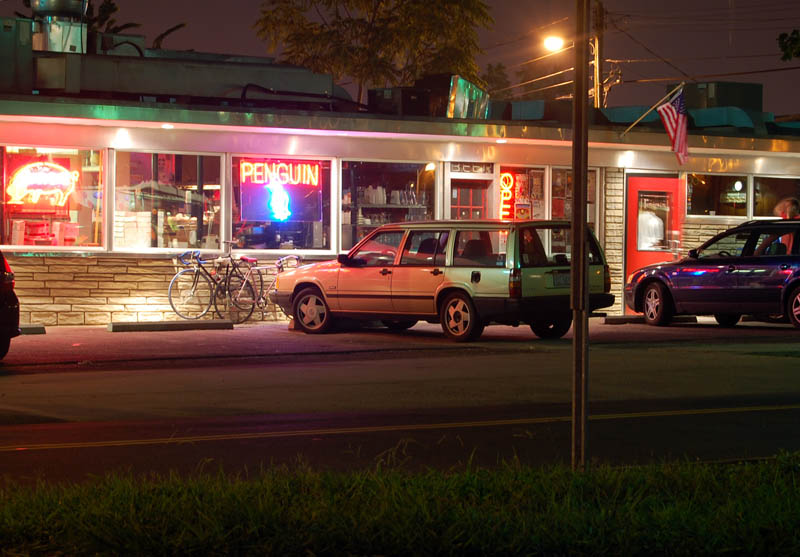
(496, 79)
(789, 44)
(376, 42)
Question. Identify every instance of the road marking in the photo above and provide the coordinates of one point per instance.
(386, 428)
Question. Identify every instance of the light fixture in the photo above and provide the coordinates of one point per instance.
(167, 126)
(737, 185)
(430, 166)
(553, 44)
(502, 141)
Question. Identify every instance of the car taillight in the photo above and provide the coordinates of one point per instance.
(606, 279)
(515, 284)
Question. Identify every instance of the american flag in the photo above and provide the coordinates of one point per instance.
(673, 116)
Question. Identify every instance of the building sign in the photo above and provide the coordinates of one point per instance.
(472, 167)
(41, 180)
(506, 195)
(279, 190)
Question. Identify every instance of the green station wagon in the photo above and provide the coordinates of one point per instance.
(462, 274)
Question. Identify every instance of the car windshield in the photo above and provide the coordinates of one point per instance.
(734, 244)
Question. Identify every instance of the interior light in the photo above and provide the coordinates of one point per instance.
(737, 185)
(430, 166)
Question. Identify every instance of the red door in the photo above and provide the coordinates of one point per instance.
(653, 214)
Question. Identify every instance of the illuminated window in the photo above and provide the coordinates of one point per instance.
(281, 203)
(716, 194)
(51, 197)
(769, 192)
(166, 200)
(526, 199)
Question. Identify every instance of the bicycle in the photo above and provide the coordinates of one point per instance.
(241, 289)
(193, 290)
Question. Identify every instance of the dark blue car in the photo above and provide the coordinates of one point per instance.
(9, 307)
(752, 269)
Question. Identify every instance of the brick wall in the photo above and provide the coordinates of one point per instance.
(96, 290)
(695, 233)
(614, 196)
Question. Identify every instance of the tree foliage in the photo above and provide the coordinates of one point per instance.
(789, 44)
(496, 79)
(376, 42)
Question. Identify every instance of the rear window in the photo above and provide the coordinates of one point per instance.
(480, 248)
(549, 246)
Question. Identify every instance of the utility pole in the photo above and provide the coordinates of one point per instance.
(580, 262)
(599, 26)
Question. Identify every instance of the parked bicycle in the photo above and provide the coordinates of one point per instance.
(245, 291)
(192, 290)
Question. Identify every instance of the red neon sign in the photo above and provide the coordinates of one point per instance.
(506, 195)
(276, 172)
(33, 181)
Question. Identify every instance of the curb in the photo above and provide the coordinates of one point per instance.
(31, 329)
(205, 325)
(639, 319)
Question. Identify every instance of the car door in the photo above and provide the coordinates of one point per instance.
(764, 270)
(364, 284)
(420, 271)
(709, 283)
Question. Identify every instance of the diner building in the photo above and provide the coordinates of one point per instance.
(116, 158)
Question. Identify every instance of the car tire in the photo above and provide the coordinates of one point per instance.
(793, 307)
(5, 344)
(657, 305)
(727, 319)
(459, 318)
(398, 325)
(311, 312)
(553, 328)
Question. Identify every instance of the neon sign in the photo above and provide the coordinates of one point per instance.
(33, 181)
(506, 195)
(274, 190)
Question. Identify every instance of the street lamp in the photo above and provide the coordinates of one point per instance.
(556, 44)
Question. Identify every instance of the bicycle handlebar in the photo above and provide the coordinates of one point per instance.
(192, 254)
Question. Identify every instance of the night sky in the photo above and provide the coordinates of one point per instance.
(701, 39)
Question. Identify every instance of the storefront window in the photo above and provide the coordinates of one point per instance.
(561, 199)
(716, 194)
(376, 193)
(769, 192)
(522, 193)
(281, 203)
(164, 200)
(51, 197)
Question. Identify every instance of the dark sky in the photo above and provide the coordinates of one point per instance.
(704, 39)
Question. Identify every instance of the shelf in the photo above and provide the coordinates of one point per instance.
(385, 206)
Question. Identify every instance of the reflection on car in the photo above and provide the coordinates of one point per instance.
(751, 269)
(9, 307)
(462, 274)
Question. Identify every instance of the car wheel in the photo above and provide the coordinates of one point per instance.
(5, 344)
(556, 327)
(727, 319)
(311, 312)
(793, 307)
(399, 324)
(657, 305)
(460, 320)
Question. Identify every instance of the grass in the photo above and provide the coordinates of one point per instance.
(667, 509)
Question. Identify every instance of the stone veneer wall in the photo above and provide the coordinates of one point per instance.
(614, 244)
(96, 290)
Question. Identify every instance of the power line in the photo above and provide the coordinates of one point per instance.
(708, 76)
(648, 49)
(533, 80)
(527, 34)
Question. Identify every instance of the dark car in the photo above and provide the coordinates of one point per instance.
(751, 269)
(9, 308)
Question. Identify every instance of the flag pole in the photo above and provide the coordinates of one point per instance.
(652, 108)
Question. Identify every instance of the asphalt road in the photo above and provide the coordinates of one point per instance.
(78, 401)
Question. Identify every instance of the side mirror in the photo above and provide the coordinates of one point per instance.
(693, 253)
(343, 259)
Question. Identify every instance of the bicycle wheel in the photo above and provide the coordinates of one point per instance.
(235, 298)
(190, 294)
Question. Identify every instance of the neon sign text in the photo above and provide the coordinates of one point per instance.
(287, 173)
(506, 195)
(33, 181)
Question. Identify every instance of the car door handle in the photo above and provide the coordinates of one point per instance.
(436, 272)
(386, 272)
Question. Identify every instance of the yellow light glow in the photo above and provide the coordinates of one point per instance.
(430, 166)
(553, 44)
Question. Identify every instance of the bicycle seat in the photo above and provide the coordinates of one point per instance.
(248, 259)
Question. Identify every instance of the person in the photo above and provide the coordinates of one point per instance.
(787, 208)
